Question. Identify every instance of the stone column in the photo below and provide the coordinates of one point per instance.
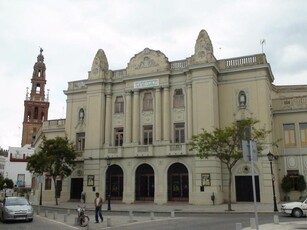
(166, 114)
(158, 114)
(108, 126)
(136, 118)
(190, 111)
(128, 118)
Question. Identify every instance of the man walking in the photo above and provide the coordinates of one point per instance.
(98, 203)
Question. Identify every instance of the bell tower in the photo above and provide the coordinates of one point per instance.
(36, 104)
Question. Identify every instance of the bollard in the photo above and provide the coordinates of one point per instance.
(131, 217)
(89, 226)
(172, 214)
(108, 222)
(65, 218)
(253, 223)
(68, 212)
(46, 213)
(238, 226)
(76, 221)
(152, 215)
(276, 219)
(54, 215)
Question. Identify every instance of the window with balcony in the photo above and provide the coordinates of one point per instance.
(178, 98)
(289, 135)
(147, 135)
(147, 102)
(119, 136)
(119, 104)
(179, 136)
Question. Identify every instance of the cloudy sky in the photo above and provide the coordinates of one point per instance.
(71, 32)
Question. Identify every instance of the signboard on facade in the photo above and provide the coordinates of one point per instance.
(146, 84)
(205, 179)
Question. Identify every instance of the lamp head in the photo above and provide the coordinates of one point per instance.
(108, 161)
(270, 156)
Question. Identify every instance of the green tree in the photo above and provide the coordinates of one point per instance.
(9, 183)
(56, 157)
(225, 144)
(286, 186)
(301, 184)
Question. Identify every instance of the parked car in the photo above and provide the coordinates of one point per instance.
(296, 208)
(15, 208)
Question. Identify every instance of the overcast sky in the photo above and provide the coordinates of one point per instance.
(71, 32)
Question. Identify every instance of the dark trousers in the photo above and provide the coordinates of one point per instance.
(98, 212)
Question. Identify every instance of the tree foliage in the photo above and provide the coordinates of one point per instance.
(56, 157)
(225, 144)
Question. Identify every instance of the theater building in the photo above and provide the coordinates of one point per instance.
(132, 127)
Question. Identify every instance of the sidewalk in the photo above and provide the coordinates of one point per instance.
(123, 214)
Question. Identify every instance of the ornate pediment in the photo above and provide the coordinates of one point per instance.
(100, 66)
(203, 49)
(148, 61)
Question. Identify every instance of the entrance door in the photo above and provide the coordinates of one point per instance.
(244, 188)
(114, 182)
(145, 183)
(76, 188)
(178, 183)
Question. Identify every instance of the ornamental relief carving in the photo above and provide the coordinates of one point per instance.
(118, 119)
(291, 162)
(148, 61)
(178, 115)
(147, 117)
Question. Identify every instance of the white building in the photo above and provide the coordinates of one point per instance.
(16, 166)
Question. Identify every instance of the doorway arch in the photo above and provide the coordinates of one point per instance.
(144, 183)
(114, 182)
(178, 183)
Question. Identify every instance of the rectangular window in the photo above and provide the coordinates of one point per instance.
(119, 104)
(303, 132)
(47, 182)
(147, 133)
(80, 142)
(119, 136)
(178, 98)
(179, 133)
(289, 135)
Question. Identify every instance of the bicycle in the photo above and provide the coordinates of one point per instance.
(82, 218)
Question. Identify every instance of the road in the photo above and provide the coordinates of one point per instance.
(142, 221)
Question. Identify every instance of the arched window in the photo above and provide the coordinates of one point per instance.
(178, 98)
(38, 88)
(119, 104)
(147, 102)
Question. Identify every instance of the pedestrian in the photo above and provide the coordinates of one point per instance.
(83, 196)
(98, 203)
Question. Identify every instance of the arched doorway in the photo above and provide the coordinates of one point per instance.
(144, 183)
(114, 182)
(178, 183)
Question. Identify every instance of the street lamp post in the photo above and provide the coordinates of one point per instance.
(271, 158)
(4, 188)
(109, 189)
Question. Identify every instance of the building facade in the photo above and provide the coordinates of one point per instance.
(132, 127)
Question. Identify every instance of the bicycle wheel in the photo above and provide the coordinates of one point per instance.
(84, 221)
